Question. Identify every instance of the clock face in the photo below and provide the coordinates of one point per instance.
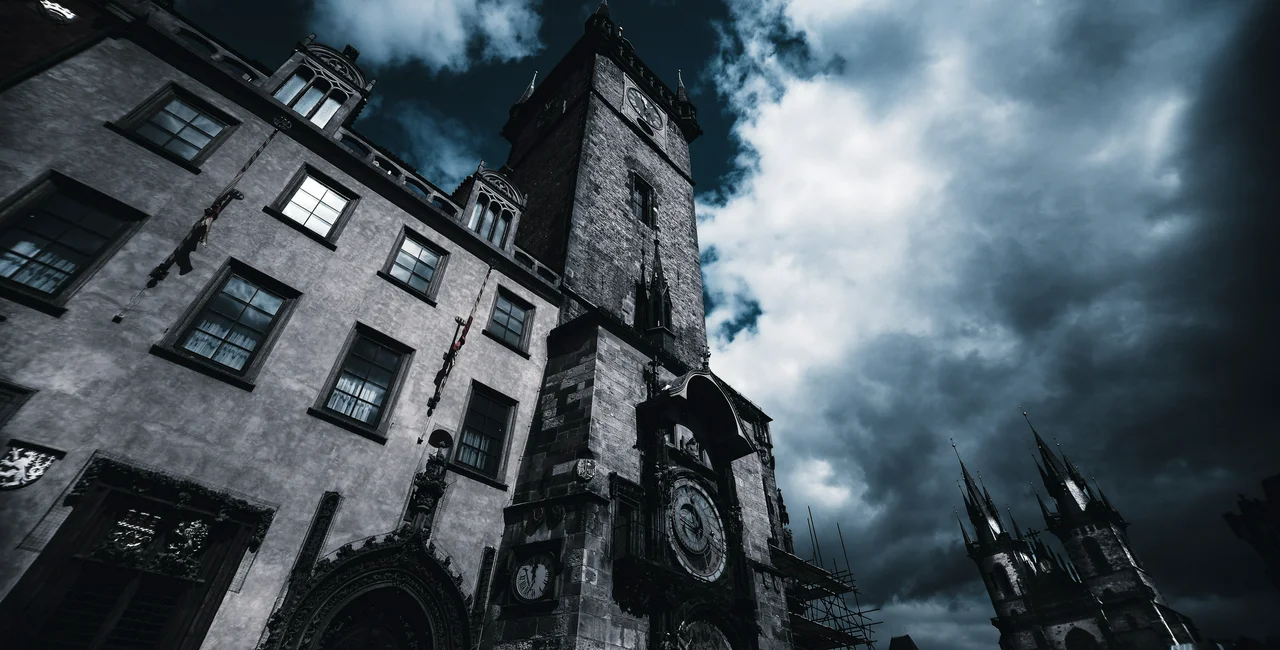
(702, 635)
(532, 577)
(697, 534)
(649, 112)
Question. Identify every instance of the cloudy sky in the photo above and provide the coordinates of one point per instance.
(917, 216)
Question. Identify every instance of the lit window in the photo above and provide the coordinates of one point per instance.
(315, 206)
(180, 128)
(233, 324)
(484, 432)
(312, 98)
(510, 321)
(490, 219)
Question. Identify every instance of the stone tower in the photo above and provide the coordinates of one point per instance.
(1099, 596)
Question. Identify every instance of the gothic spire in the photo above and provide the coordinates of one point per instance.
(682, 95)
(659, 282)
(1067, 491)
(1013, 522)
(982, 512)
(963, 531)
(528, 91)
(603, 9)
(1044, 510)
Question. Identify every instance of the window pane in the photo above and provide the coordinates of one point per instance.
(366, 378)
(290, 89)
(52, 243)
(181, 109)
(500, 229)
(308, 101)
(315, 206)
(327, 109)
(229, 329)
(182, 149)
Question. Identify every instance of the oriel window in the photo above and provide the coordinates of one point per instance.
(491, 219)
(311, 97)
(484, 431)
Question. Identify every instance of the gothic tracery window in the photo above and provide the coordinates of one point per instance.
(311, 96)
(490, 219)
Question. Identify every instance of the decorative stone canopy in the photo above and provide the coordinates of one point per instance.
(698, 402)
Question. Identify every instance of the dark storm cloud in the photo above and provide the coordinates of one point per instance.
(1133, 296)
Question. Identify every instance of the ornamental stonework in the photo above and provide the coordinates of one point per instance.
(24, 463)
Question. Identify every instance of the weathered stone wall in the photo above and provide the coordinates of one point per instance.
(100, 389)
(606, 243)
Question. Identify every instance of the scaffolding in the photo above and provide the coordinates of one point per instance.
(822, 618)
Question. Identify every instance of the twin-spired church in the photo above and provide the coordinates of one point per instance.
(264, 386)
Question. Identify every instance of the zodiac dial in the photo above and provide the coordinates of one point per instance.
(697, 531)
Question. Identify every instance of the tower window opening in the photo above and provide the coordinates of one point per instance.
(1096, 557)
(491, 220)
(641, 200)
(313, 98)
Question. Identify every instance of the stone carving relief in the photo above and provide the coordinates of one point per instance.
(585, 469)
(24, 464)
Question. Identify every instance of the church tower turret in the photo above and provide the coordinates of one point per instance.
(1095, 537)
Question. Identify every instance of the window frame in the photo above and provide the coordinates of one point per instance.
(377, 432)
(504, 446)
(170, 347)
(649, 208)
(17, 394)
(276, 208)
(523, 347)
(307, 84)
(127, 126)
(429, 295)
(46, 185)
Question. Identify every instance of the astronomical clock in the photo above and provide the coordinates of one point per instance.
(678, 534)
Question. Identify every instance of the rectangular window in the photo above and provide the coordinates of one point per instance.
(484, 431)
(53, 236)
(315, 205)
(228, 330)
(141, 562)
(364, 385)
(415, 265)
(177, 124)
(510, 321)
(641, 200)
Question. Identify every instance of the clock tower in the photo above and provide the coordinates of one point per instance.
(645, 513)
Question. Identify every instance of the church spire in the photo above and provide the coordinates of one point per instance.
(977, 502)
(603, 9)
(1068, 492)
(682, 95)
(528, 91)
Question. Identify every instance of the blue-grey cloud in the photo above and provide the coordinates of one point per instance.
(1061, 206)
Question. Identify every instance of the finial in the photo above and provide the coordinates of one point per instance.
(603, 9)
(528, 91)
(681, 93)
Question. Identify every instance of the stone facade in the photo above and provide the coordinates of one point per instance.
(624, 498)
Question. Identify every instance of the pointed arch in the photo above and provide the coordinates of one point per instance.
(401, 568)
(1097, 558)
(1080, 639)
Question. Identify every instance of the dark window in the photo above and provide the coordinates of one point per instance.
(484, 431)
(311, 97)
(1096, 557)
(491, 219)
(641, 200)
(364, 385)
(54, 235)
(126, 571)
(315, 205)
(178, 125)
(415, 265)
(233, 325)
(181, 128)
(12, 397)
(510, 322)
(228, 330)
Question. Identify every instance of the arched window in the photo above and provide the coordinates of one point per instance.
(1000, 580)
(1096, 557)
(311, 97)
(490, 220)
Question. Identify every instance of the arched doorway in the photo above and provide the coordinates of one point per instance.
(383, 619)
(1080, 639)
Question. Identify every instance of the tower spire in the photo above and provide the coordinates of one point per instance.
(603, 9)
(528, 91)
(682, 95)
(963, 531)
(982, 513)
